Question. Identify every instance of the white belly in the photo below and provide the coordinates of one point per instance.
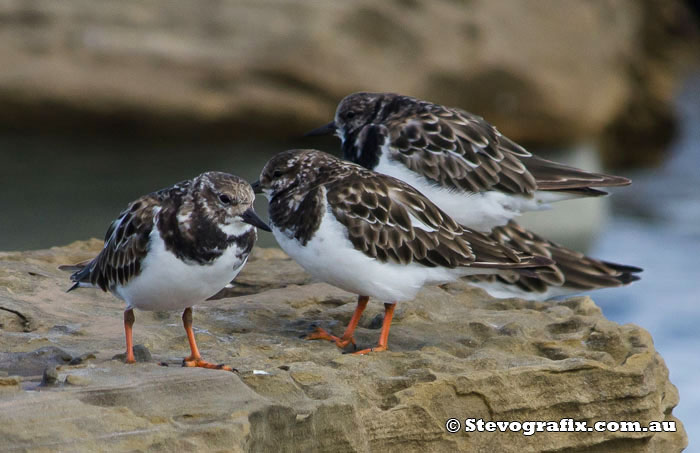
(479, 211)
(330, 256)
(167, 283)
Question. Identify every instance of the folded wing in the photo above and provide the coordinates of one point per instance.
(391, 221)
(126, 244)
(459, 150)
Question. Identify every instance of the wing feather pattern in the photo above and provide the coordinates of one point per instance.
(460, 150)
(572, 270)
(391, 221)
(126, 244)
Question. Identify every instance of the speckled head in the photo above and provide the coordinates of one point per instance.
(363, 121)
(298, 170)
(227, 199)
(357, 110)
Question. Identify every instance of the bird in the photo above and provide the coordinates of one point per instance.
(455, 158)
(173, 248)
(371, 234)
(479, 177)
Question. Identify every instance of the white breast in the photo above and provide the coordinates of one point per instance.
(167, 283)
(330, 257)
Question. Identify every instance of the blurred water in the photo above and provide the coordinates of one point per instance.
(54, 190)
(661, 233)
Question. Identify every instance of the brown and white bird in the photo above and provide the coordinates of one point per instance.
(371, 234)
(479, 177)
(174, 248)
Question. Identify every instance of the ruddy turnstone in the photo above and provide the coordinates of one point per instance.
(175, 247)
(371, 234)
(478, 177)
(460, 162)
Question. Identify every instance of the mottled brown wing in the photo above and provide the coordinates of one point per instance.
(126, 244)
(459, 150)
(391, 221)
(572, 269)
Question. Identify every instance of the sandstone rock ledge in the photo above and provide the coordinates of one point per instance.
(454, 353)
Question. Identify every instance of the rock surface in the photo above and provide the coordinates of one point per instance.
(553, 72)
(454, 353)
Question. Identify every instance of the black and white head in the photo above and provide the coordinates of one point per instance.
(226, 200)
(358, 110)
(362, 122)
(295, 172)
(354, 112)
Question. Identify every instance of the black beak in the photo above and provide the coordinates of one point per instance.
(252, 218)
(323, 130)
(256, 187)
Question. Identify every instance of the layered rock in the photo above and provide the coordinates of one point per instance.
(455, 353)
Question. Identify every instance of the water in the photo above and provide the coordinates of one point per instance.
(661, 233)
(54, 190)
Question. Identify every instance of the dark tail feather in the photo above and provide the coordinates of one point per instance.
(75, 285)
(81, 272)
(583, 192)
(626, 272)
(625, 268)
(628, 278)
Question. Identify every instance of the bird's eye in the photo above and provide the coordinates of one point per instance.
(225, 199)
(277, 173)
(350, 115)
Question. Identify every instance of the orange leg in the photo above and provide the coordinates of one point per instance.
(129, 319)
(347, 338)
(384, 336)
(195, 360)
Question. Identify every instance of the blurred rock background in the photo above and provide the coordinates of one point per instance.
(550, 72)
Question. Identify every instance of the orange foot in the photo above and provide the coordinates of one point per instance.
(374, 349)
(321, 334)
(200, 363)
